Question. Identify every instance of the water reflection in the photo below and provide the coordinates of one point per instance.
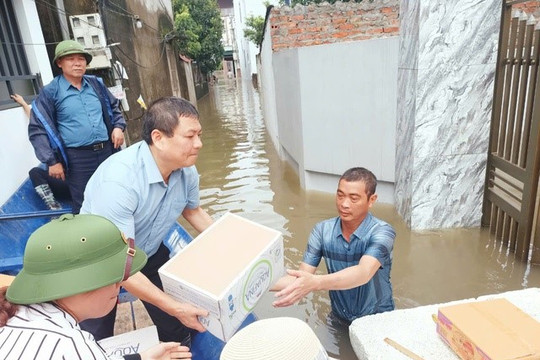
(241, 172)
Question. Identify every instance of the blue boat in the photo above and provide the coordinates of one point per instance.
(24, 212)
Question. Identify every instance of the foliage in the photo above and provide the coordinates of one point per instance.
(255, 29)
(198, 29)
(307, 2)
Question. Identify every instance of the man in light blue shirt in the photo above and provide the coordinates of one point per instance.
(75, 122)
(143, 190)
(357, 249)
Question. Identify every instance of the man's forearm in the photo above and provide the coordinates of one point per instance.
(282, 283)
(287, 279)
(350, 277)
(198, 218)
(141, 287)
(187, 314)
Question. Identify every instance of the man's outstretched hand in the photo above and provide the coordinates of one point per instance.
(304, 283)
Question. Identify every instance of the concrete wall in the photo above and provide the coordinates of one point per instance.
(16, 153)
(268, 89)
(289, 106)
(348, 117)
(331, 118)
(335, 94)
(243, 66)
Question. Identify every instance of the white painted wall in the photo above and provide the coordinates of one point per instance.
(336, 109)
(268, 89)
(16, 152)
(289, 107)
(239, 18)
(247, 50)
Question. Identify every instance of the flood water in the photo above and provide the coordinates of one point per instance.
(242, 173)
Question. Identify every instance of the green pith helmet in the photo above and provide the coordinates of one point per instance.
(71, 255)
(68, 47)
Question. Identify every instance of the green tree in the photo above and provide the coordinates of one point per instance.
(255, 29)
(198, 28)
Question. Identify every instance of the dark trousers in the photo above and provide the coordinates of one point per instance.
(169, 328)
(39, 176)
(82, 164)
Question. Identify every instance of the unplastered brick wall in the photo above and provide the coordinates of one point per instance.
(529, 7)
(330, 23)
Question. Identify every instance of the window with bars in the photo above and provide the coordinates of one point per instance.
(15, 74)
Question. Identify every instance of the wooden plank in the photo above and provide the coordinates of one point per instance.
(518, 135)
(493, 218)
(402, 349)
(532, 166)
(513, 235)
(535, 254)
(506, 229)
(506, 13)
(504, 203)
(506, 166)
(507, 183)
(499, 222)
(507, 86)
(530, 100)
(512, 193)
(516, 75)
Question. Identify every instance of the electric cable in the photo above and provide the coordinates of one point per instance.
(135, 62)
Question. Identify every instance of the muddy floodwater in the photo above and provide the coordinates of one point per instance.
(242, 173)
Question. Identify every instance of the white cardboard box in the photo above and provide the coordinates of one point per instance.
(131, 342)
(225, 270)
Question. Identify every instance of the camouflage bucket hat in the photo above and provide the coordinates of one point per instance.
(68, 47)
(71, 255)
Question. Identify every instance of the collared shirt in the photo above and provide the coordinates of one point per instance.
(45, 331)
(79, 114)
(373, 237)
(128, 189)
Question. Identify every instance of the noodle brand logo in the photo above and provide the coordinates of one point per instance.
(258, 281)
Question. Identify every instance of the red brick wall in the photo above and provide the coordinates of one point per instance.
(326, 24)
(530, 7)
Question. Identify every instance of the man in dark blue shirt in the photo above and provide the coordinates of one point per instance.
(75, 121)
(357, 249)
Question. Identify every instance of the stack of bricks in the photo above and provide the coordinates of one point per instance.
(326, 24)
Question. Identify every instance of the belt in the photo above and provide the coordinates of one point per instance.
(94, 147)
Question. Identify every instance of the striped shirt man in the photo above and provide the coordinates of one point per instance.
(45, 331)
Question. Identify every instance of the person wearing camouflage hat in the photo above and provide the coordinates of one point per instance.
(75, 122)
(72, 271)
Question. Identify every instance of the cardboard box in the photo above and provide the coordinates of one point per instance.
(225, 270)
(489, 330)
(6, 280)
(131, 342)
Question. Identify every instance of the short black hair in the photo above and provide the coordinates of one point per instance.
(164, 114)
(361, 174)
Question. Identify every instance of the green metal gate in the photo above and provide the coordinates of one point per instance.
(510, 197)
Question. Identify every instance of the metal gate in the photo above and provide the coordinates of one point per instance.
(513, 163)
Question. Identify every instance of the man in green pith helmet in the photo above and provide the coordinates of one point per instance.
(72, 271)
(76, 122)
